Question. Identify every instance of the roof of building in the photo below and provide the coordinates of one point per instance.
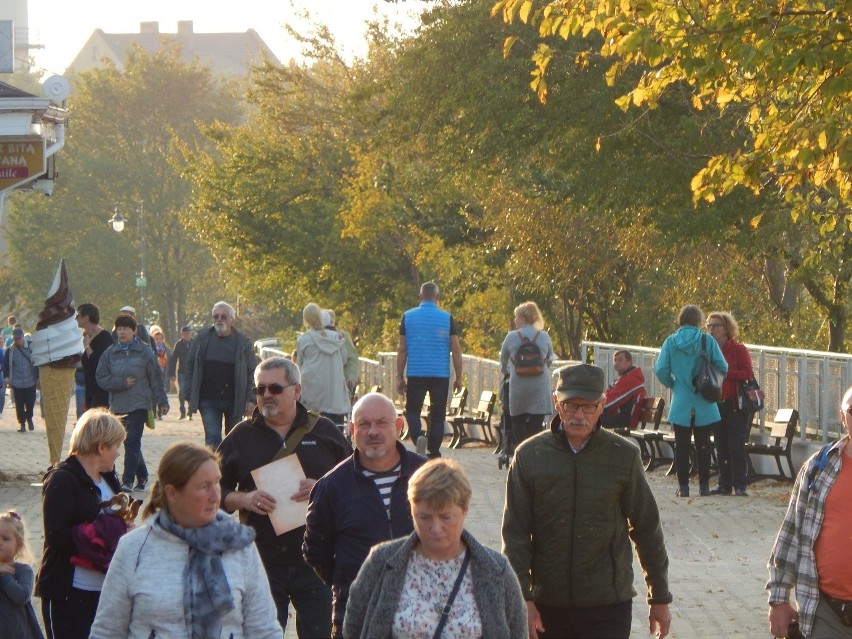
(8, 91)
(230, 54)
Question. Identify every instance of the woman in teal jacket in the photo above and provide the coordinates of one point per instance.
(689, 414)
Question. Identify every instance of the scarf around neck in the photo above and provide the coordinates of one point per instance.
(206, 593)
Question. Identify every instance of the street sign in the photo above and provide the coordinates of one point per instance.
(21, 159)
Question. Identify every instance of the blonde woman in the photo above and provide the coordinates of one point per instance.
(529, 396)
(321, 356)
(438, 581)
(189, 570)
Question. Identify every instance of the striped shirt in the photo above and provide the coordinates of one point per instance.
(384, 482)
(792, 562)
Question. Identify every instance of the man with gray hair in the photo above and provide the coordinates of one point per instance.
(279, 426)
(576, 497)
(219, 375)
(427, 336)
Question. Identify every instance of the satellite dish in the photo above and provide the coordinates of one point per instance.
(56, 87)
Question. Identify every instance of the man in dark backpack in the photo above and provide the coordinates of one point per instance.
(811, 552)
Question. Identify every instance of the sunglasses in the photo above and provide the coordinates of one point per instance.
(274, 389)
(221, 316)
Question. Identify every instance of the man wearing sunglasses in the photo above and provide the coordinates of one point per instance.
(219, 369)
(811, 553)
(576, 497)
(281, 421)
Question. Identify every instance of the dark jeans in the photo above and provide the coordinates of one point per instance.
(438, 389)
(683, 448)
(134, 462)
(310, 597)
(24, 403)
(524, 426)
(71, 617)
(213, 413)
(730, 434)
(595, 622)
(182, 389)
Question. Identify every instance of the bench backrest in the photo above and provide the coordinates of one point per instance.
(485, 405)
(651, 412)
(457, 402)
(783, 426)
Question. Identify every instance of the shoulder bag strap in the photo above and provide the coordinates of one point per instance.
(295, 436)
(445, 613)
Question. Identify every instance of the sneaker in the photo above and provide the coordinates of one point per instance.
(142, 484)
(31, 425)
(126, 488)
(741, 492)
(421, 445)
(683, 491)
(181, 418)
(22, 429)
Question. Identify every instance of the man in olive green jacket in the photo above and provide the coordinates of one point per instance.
(576, 496)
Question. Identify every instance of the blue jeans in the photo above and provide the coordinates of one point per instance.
(80, 399)
(729, 436)
(438, 389)
(134, 462)
(212, 413)
(311, 599)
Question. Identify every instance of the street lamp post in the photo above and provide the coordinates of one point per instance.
(118, 222)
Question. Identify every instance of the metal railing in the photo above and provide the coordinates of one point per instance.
(813, 382)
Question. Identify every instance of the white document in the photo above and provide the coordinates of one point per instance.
(281, 480)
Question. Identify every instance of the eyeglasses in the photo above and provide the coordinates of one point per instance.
(221, 316)
(570, 409)
(274, 389)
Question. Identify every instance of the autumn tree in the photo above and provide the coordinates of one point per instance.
(122, 153)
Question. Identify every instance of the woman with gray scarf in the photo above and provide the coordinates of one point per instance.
(191, 552)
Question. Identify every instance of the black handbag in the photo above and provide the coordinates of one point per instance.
(751, 396)
(708, 379)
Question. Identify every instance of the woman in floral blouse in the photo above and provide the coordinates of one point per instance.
(404, 589)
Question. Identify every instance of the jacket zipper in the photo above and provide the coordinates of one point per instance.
(573, 535)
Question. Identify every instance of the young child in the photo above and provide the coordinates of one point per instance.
(17, 617)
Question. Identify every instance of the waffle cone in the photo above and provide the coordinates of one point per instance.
(57, 385)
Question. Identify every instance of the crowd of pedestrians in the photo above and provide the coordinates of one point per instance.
(380, 547)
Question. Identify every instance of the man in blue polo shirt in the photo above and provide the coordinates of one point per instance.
(427, 336)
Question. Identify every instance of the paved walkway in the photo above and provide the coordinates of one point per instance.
(717, 546)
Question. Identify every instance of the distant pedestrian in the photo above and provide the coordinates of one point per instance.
(22, 377)
(129, 371)
(731, 431)
(811, 552)
(178, 365)
(427, 336)
(690, 414)
(321, 355)
(530, 399)
(163, 354)
(17, 617)
(11, 322)
(96, 341)
(219, 374)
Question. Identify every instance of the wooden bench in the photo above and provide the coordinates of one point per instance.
(456, 407)
(648, 434)
(782, 430)
(480, 420)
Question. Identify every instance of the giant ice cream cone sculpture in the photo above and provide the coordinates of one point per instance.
(57, 345)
